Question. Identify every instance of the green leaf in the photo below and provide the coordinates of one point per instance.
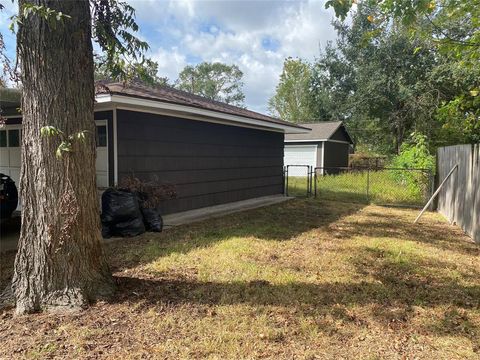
(50, 131)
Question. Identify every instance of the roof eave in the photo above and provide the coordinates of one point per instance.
(125, 100)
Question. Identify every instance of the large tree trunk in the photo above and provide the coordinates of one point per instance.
(60, 262)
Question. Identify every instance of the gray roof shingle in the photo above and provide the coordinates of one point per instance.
(320, 131)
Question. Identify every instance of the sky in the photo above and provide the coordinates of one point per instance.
(256, 35)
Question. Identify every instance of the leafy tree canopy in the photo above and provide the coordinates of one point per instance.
(122, 54)
(386, 80)
(215, 81)
(450, 29)
(292, 99)
(145, 71)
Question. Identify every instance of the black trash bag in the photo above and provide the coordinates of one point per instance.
(106, 233)
(8, 196)
(119, 205)
(121, 213)
(152, 219)
(129, 228)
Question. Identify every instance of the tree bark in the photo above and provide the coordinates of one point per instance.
(60, 263)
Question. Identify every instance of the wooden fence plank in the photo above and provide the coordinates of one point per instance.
(459, 200)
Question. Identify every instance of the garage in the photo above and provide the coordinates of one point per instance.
(326, 147)
(211, 152)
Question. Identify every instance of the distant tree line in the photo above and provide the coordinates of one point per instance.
(387, 83)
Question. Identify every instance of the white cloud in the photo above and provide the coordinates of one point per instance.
(170, 62)
(300, 29)
(257, 35)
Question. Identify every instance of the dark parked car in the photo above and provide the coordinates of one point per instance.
(8, 196)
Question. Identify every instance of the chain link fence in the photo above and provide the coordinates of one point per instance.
(387, 186)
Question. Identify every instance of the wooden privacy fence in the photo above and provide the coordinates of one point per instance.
(459, 199)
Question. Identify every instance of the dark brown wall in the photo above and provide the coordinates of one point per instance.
(336, 155)
(209, 163)
(340, 134)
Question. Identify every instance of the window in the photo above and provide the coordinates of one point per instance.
(3, 138)
(102, 136)
(14, 138)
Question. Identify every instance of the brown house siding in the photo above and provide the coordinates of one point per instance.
(336, 155)
(208, 163)
(340, 135)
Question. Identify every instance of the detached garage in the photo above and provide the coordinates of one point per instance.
(326, 146)
(212, 152)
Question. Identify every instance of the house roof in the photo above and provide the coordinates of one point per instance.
(321, 131)
(167, 94)
(9, 97)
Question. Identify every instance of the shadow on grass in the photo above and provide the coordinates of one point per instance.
(378, 224)
(389, 279)
(399, 293)
(274, 223)
(393, 287)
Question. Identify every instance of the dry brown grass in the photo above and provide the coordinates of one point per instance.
(305, 279)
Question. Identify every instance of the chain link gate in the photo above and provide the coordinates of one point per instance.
(298, 186)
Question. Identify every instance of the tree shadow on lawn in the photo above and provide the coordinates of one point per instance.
(279, 222)
(437, 234)
(289, 220)
(384, 277)
(394, 289)
(398, 293)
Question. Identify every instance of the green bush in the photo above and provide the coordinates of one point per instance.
(414, 155)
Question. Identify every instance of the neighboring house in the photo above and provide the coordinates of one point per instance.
(212, 152)
(326, 147)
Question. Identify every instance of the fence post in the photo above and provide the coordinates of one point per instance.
(368, 184)
(310, 178)
(308, 181)
(286, 182)
(315, 182)
(431, 175)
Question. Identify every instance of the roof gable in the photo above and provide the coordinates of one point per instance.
(322, 131)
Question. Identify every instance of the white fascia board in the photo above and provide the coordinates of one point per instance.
(310, 140)
(103, 98)
(300, 146)
(121, 100)
(338, 141)
(318, 140)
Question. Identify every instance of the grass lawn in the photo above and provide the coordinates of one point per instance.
(384, 187)
(305, 279)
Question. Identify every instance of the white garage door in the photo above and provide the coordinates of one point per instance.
(300, 155)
